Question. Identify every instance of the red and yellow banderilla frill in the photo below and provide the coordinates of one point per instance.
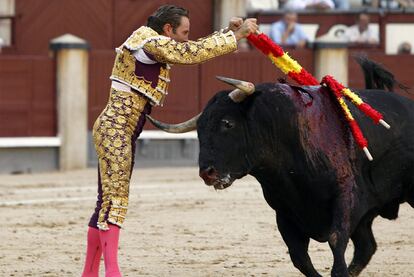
(293, 69)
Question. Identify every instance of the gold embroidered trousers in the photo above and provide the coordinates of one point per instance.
(114, 135)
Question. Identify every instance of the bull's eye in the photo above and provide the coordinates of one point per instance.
(227, 123)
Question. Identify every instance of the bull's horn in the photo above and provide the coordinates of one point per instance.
(243, 88)
(238, 95)
(242, 85)
(183, 127)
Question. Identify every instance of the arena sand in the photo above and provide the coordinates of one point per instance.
(176, 226)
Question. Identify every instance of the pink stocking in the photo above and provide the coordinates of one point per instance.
(93, 254)
(109, 242)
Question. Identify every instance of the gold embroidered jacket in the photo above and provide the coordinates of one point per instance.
(151, 79)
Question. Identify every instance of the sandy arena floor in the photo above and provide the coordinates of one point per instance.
(176, 226)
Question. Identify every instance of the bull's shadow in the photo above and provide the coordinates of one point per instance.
(297, 144)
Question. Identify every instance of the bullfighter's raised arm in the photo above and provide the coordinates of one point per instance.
(167, 50)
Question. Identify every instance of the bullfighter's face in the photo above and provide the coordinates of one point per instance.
(179, 33)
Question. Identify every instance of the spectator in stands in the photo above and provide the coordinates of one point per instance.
(404, 48)
(309, 5)
(288, 31)
(362, 32)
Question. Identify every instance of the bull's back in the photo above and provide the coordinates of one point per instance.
(398, 111)
(391, 173)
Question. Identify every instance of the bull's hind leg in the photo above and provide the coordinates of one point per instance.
(298, 246)
(364, 244)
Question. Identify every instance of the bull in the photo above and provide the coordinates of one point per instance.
(295, 142)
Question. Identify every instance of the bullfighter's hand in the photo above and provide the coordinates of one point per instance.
(235, 23)
(248, 27)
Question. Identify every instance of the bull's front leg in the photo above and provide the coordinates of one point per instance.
(339, 236)
(298, 246)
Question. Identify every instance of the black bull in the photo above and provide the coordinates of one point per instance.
(295, 142)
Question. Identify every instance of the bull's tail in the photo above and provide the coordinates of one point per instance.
(376, 76)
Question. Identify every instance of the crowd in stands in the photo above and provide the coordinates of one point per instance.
(362, 32)
(328, 4)
(289, 32)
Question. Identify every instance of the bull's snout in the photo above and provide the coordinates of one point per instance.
(212, 178)
(209, 175)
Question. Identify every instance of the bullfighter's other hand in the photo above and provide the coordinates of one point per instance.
(248, 27)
